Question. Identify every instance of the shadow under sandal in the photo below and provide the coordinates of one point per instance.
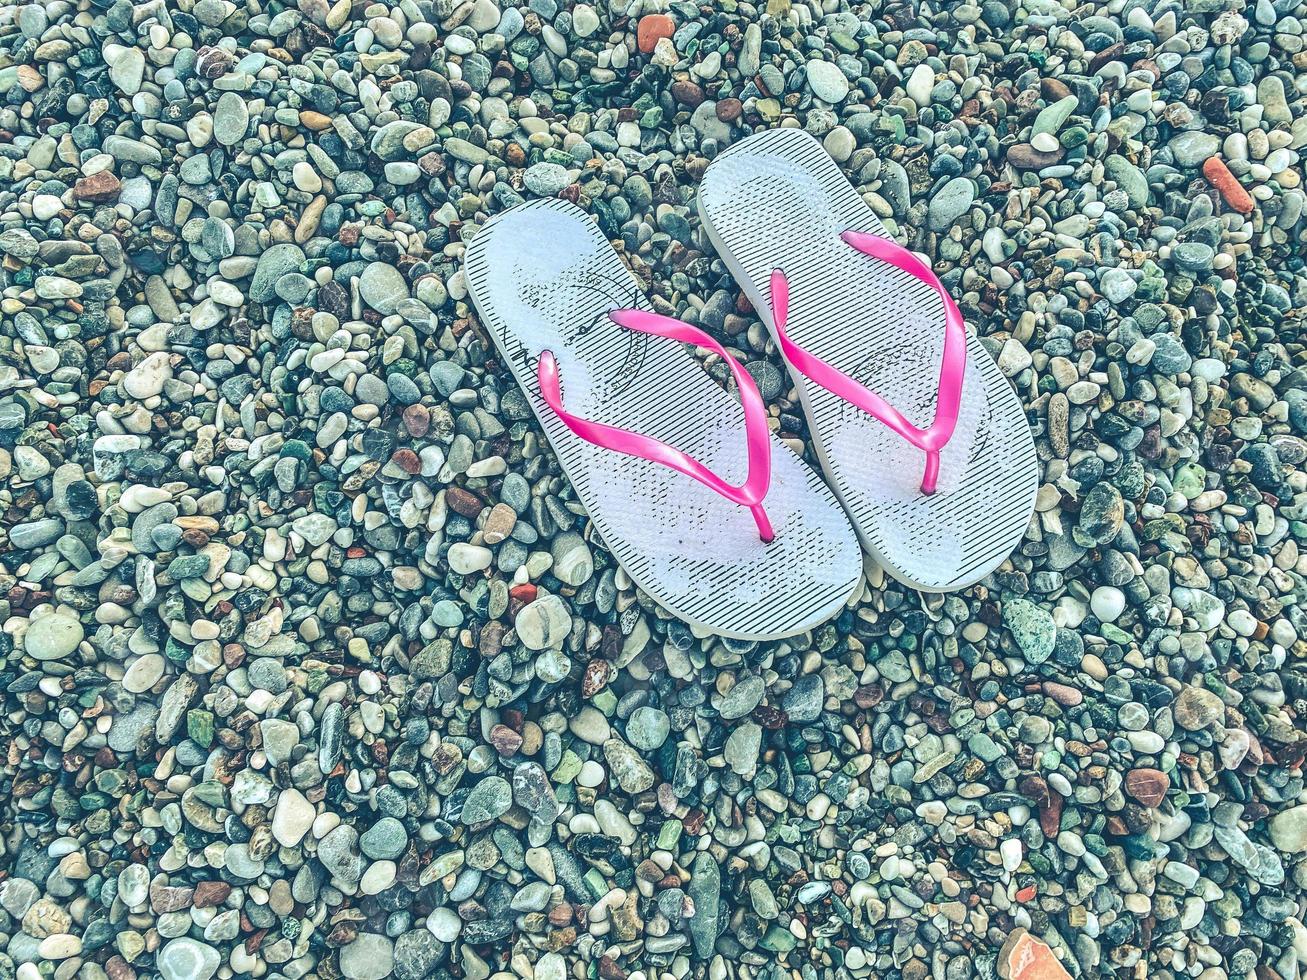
(706, 510)
(921, 437)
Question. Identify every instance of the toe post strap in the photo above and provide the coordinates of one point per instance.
(948, 402)
(751, 492)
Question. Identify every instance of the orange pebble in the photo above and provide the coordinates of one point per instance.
(1219, 174)
(1025, 894)
(1023, 957)
(652, 29)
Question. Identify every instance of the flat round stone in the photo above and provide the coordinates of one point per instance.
(187, 959)
(53, 637)
(231, 117)
(827, 81)
(382, 287)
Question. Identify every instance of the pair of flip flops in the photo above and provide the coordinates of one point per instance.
(924, 444)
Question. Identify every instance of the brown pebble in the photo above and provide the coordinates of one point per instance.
(1063, 694)
(595, 678)
(1053, 89)
(195, 538)
(463, 502)
(432, 164)
(505, 740)
(1023, 156)
(446, 757)
(1050, 816)
(562, 938)
(499, 523)
(169, 898)
(210, 893)
(100, 187)
(233, 655)
(1109, 54)
(868, 696)
(417, 420)
(407, 460)
(492, 639)
(1148, 786)
(687, 93)
(695, 168)
(315, 121)
(649, 870)
(561, 914)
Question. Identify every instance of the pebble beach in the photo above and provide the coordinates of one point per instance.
(312, 666)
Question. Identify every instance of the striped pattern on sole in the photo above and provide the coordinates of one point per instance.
(543, 277)
(777, 200)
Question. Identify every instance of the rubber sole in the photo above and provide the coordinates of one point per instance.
(777, 200)
(543, 277)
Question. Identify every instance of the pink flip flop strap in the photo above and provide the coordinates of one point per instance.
(951, 373)
(748, 494)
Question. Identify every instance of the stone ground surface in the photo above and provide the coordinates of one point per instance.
(311, 665)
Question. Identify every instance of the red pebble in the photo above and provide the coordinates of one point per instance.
(1148, 786)
(407, 460)
(102, 186)
(523, 593)
(1025, 894)
(652, 29)
(1231, 190)
(417, 419)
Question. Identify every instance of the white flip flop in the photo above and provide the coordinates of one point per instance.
(921, 437)
(687, 523)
